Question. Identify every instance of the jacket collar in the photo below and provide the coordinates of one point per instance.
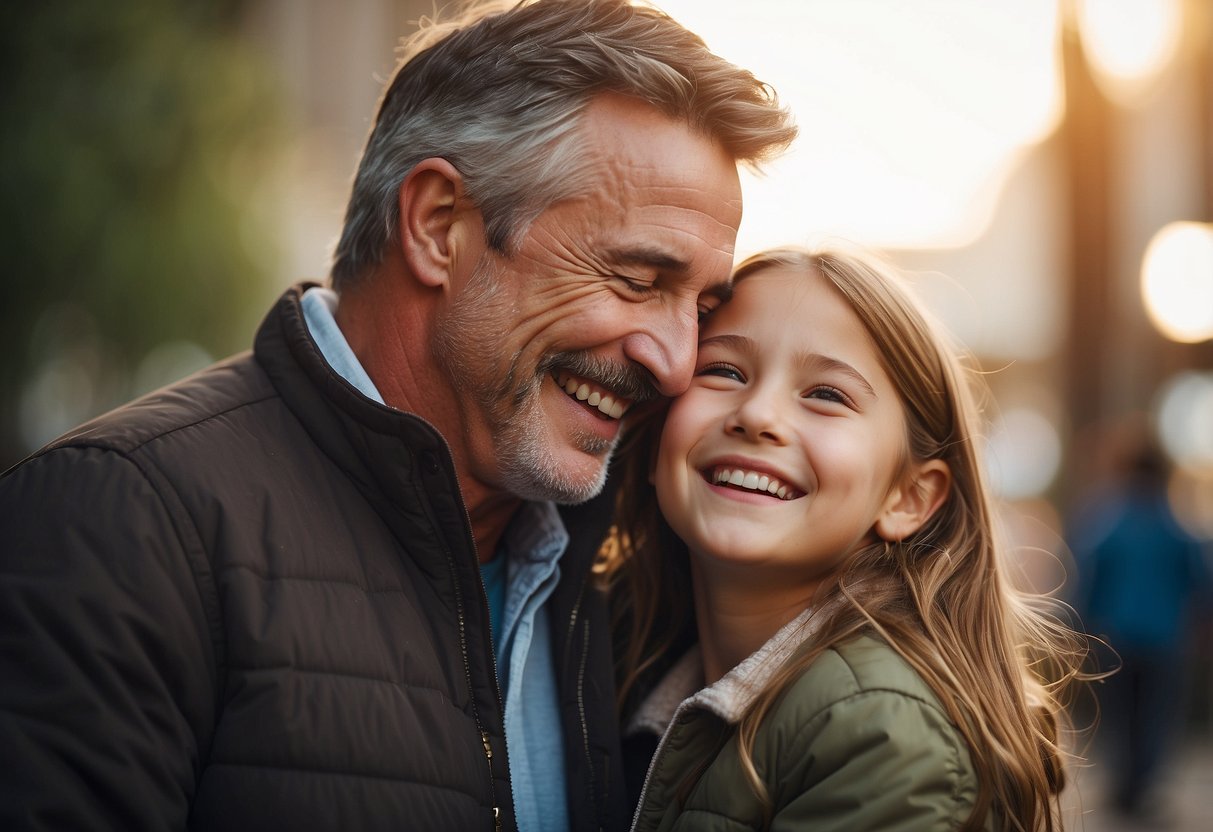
(732, 695)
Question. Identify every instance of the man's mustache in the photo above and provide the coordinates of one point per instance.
(627, 380)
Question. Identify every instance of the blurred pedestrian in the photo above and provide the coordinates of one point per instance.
(1141, 580)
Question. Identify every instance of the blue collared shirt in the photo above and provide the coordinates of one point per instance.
(522, 636)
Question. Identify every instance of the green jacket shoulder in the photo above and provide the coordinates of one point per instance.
(858, 742)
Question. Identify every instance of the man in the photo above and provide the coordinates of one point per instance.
(253, 600)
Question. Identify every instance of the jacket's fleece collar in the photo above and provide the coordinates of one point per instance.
(731, 696)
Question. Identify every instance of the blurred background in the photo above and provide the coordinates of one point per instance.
(1043, 168)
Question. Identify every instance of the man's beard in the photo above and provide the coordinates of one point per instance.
(468, 344)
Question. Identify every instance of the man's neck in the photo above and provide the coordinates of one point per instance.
(489, 517)
(389, 328)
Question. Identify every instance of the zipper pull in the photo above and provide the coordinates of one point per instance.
(488, 753)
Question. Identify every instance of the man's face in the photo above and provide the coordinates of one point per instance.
(598, 308)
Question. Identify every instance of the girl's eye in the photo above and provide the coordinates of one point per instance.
(722, 371)
(829, 394)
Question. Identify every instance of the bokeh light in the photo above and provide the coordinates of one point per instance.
(1023, 454)
(1185, 419)
(1129, 42)
(167, 362)
(1177, 281)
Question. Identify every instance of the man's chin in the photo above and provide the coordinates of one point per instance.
(586, 490)
(548, 449)
(567, 478)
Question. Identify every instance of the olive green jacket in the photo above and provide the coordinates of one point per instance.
(858, 742)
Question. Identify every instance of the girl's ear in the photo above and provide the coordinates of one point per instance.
(427, 219)
(911, 503)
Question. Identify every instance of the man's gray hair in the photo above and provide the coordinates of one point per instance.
(499, 93)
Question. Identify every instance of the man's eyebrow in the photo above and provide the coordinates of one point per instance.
(647, 256)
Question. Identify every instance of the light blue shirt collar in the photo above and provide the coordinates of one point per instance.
(319, 308)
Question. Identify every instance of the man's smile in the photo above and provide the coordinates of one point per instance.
(609, 405)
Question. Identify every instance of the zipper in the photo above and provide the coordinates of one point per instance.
(459, 610)
(488, 753)
(467, 665)
(581, 666)
(467, 673)
(675, 723)
(463, 649)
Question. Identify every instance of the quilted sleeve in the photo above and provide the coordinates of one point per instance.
(107, 658)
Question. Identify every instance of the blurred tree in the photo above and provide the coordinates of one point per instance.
(134, 135)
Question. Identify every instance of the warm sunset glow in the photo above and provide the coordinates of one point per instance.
(1177, 281)
(1129, 42)
(912, 115)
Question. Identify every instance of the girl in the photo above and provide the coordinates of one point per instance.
(827, 530)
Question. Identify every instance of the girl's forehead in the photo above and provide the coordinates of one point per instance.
(779, 296)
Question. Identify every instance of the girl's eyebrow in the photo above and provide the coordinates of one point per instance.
(746, 347)
(837, 365)
(736, 343)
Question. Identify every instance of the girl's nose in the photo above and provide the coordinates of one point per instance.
(759, 417)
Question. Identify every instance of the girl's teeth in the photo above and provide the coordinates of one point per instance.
(751, 480)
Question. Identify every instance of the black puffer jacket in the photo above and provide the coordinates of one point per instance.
(251, 601)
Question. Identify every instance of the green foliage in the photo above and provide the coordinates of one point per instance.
(134, 136)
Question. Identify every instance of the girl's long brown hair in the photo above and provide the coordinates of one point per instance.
(994, 656)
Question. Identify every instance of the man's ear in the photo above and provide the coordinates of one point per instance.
(428, 199)
(912, 502)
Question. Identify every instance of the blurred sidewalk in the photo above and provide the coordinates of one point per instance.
(1186, 799)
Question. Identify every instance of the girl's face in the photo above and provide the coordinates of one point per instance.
(782, 455)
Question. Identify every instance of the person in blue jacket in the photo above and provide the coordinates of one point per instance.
(1141, 579)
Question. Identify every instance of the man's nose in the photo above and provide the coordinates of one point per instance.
(666, 347)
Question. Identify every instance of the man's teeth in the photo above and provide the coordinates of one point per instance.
(753, 481)
(605, 402)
